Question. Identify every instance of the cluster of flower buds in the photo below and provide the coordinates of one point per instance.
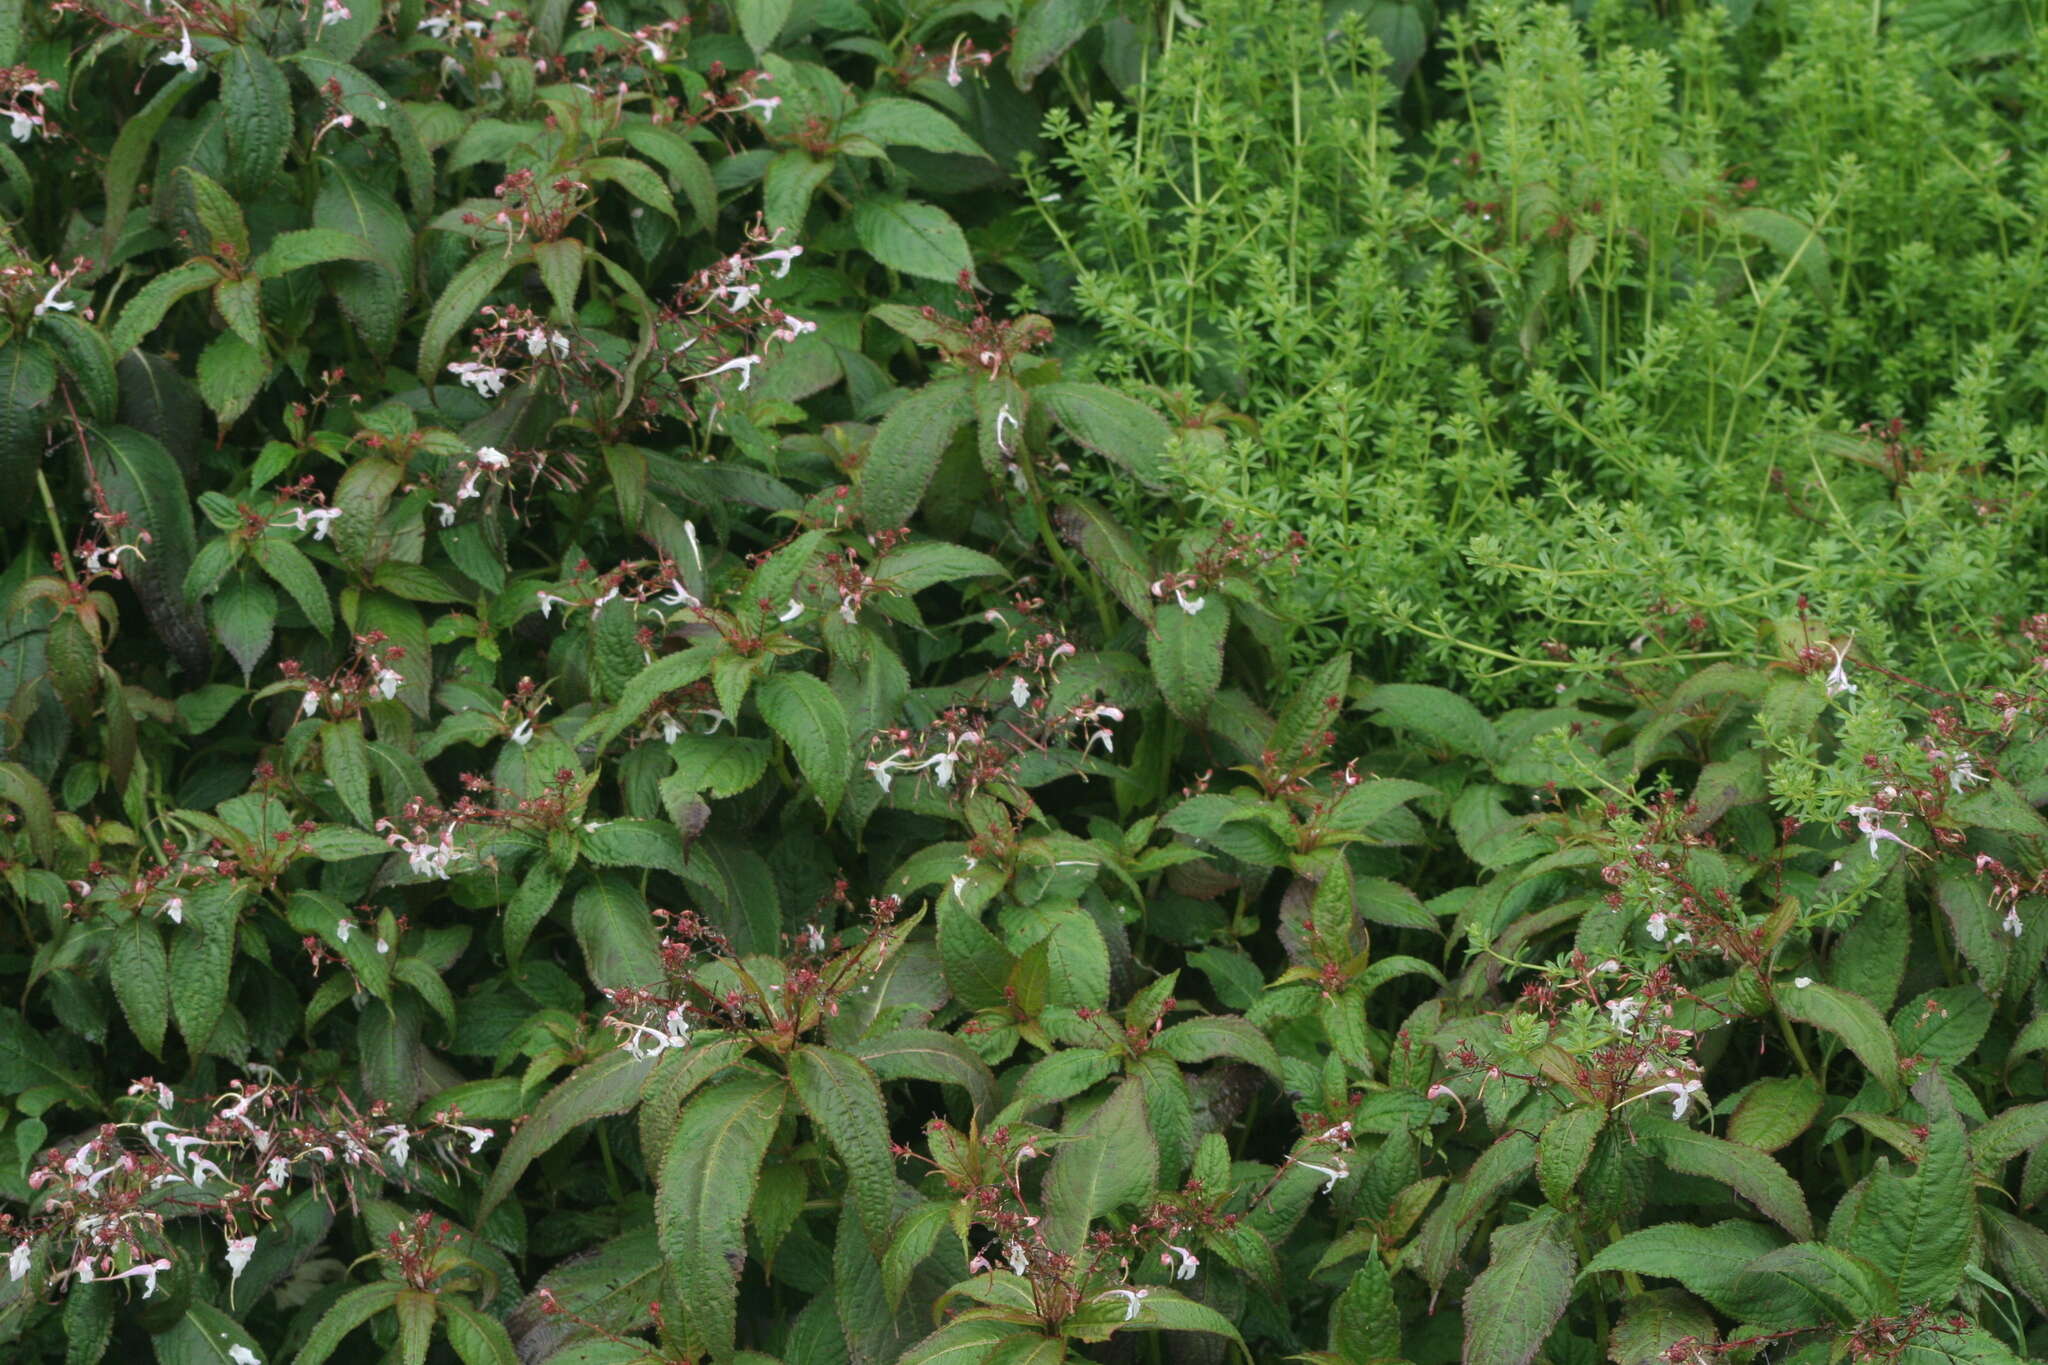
(102, 1204)
(370, 676)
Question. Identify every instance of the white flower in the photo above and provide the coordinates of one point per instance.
(885, 769)
(942, 765)
(743, 363)
(1609, 967)
(1962, 773)
(242, 1355)
(1020, 692)
(678, 595)
(814, 938)
(1332, 1173)
(522, 733)
(1838, 678)
(675, 1034)
(477, 1137)
(792, 328)
(1020, 1260)
(174, 909)
(671, 729)
(1185, 1270)
(490, 457)
(24, 125)
(542, 339)
(183, 56)
(1132, 1299)
(2012, 924)
(1658, 925)
(1681, 1093)
(240, 1249)
(332, 12)
(384, 948)
(767, 104)
(1191, 605)
(1802, 982)
(1623, 1013)
(434, 25)
(343, 929)
(399, 1145)
(319, 518)
(148, 1270)
(1003, 415)
(548, 600)
(388, 681)
(782, 257)
(18, 1260)
(791, 612)
(310, 702)
(49, 302)
(447, 511)
(487, 380)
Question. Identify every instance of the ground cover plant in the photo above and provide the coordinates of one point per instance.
(770, 683)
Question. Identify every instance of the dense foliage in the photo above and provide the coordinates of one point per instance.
(1022, 681)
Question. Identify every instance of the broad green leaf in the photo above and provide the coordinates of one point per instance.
(906, 123)
(343, 1316)
(231, 372)
(616, 931)
(1564, 1148)
(906, 449)
(1849, 1017)
(1187, 654)
(1916, 1230)
(1774, 1111)
(289, 251)
(609, 1084)
(914, 238)
(346, 760)
(1651, 1323)
(929, 1055)
(1807, 1284)
(1201, 1040)
(1518, 1298)
(458, 304)
(812, 723)
(842, 1097)
(1117, 427)
(142, 312)
(1365, 1322)
(705, 1188)
(1752, 1174)
(140, 972)
(1706, 1260)
(1047, 30)
(1111, 1160)
(256, 112)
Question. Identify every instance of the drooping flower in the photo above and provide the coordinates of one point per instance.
(1681, 1093)
(1020, 692)
(1331, 1174)
(49, 301)
(782, 256)
(1838, 683)
(18, 1260)
(240, 1249)
(1623, 1013)
(183, 56)
(1870, 823)
(2012, 923)
(1133, 1300)
(644, 1042)
(743, 363)
(1187, 1264)
(487, 380)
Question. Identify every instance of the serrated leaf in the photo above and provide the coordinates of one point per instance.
(617, 934)
(906, 450)
(1365, 1323)
(761, 21)
(1916, 1230)
(1201, 1040)
(303, 247)
(787, 186)
(929, 1055)
(139, 970)
(1110, 1160)
(231, 373)
(1563, 1149)
(706, 1186)
(1518, 1298)
(808, 716)
(1807, 1284)
(141, 314)
(1113, 425)
(1852, 1019)
(907, 123)
(844, 1100)
(292, 571)
(256, 114)
(914, 238)
(1187, 655)
(202, 957)
(1774, 1111)
(1752, 1174)
(458, 303)
(609, 1084)
(1047, 30)
(244, 617)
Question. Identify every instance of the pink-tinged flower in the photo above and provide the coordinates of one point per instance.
(782, 256)
(1870, 822)
(2013, 924)
(147, 1272)
(1020, 692)
(767, 104)
(1191, 605)
(1623, 1012)
(388, 681)
(447, 511)
(22, 125)
(310, 702)
(184, 55)
(332, 12)
(49, 301)
(1019, 1258)
(792, 328)
(1188, 1261)
(548, 600)
(1133, 1300)
(1331, 1174)
(174, 909)
(885, 769)
(240, 1249)
(645, 1042)
(814, 938)
(477, 1136)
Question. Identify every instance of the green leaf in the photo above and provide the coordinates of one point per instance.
(808, 716)
(609, 1084)
(131, 152)
(906, 123)
(346, 759)
(1916, 1230)
(929, 1055)
(1201, 1040)
(1444, 719)
(202, 957)
(344, 1315)
(1563, 1149)
(295, 573)
(1774, 1111)
(476, 1339)
(1806, 1284)
(140, 972)
(1047, 30)
(256, 114)
(636, 178)
(787, 186)
(842, 1097)
(244, 615)
(1365, 1322)
(203, 1335)
(906, 450)
(616, 931)
(1187, 655)
(1750, 1173)
(1652, 1323)
(538, 889)
(1518, 1298)
(1111, 1160)
(1117, 427)
(1706, 1260)
(913, 568)
(761, 21)
(303, 247)
(976, 963)
(231, 373)
(561, 269)
(914, 238)
(706, 1186)
(226, 231)
(665, 675)
(87, 358)
(458, 304)
(141, 314)
(1852, 1019)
